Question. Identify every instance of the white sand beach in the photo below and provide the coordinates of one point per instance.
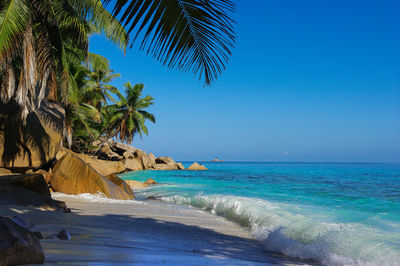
(142, 233)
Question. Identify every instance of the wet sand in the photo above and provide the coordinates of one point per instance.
(142, 233)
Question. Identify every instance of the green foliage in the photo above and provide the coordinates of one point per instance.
(190, 35)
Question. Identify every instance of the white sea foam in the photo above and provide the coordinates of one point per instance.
(87, 197)
(298, 236)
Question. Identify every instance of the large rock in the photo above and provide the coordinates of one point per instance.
(165, 160)
(136, 184)
(4, 171)
(45, 174)
(132, 164)
(104, 167)
(119, 182)
(18, 245)
(197, 166)
(15, 195)
(71, 175)
(165, 163)
(128, 155)
(147, 162)
(150, 181)
(120, 148)
(107, 153)
(180, 166)
(41, 138)
(33, 182)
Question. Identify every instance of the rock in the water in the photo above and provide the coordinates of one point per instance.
(33, 182)
(71, 175)
(44, 128)
(132, 164)
(64, 235)
(119, 182)
(46, 175)
(180, 166)
(150, 181)
(165, 163)
(197, 166)
(136, 184)
(18, 245)
(165, 160)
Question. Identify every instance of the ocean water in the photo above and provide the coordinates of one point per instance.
(332, 213)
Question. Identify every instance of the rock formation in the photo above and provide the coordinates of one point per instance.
(18, 245)
(34, 144)
(196, 166)
(71, 175)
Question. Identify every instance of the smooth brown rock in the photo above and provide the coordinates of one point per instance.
(180, 166)
(165, 160)
(14, 195)
(44, 128)
(46, 175)
(164, 167)
(136, 184)
(18, 245)
(119, 182)
(145, 159)
(71, 175)
(61, 152)
(152, 157)
(120, 148)
(4, 171)
(132, 164)
(196, 166)
(165, 163)
(33, 182)
(128, 155)
(150, 181)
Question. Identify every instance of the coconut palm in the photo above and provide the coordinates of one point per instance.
(98, 90)
(190, 35)
(36, 37)
(128, 116)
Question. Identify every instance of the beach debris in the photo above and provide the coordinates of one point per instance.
(197, 167)
(64, 235)
(150, 181)
(18, 244)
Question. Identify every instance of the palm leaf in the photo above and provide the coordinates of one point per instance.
(190, 35)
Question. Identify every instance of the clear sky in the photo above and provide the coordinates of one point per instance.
(308, 81)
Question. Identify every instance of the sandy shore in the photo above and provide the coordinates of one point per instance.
(142, 233)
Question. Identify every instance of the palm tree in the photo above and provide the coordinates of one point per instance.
(36, 37)
(128, 116)
(190, 35)
(98, 89)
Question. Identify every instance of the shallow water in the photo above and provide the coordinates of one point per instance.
(334, 213)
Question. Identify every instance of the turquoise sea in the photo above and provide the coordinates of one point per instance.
(332, 213)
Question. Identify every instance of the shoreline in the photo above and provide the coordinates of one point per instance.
(132, 232)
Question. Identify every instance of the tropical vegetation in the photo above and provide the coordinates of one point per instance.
(44, 56)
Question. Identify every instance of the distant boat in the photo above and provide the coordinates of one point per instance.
(216, 160)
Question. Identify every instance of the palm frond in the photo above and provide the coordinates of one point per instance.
(190, 35)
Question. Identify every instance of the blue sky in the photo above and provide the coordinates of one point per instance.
(308, 81)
